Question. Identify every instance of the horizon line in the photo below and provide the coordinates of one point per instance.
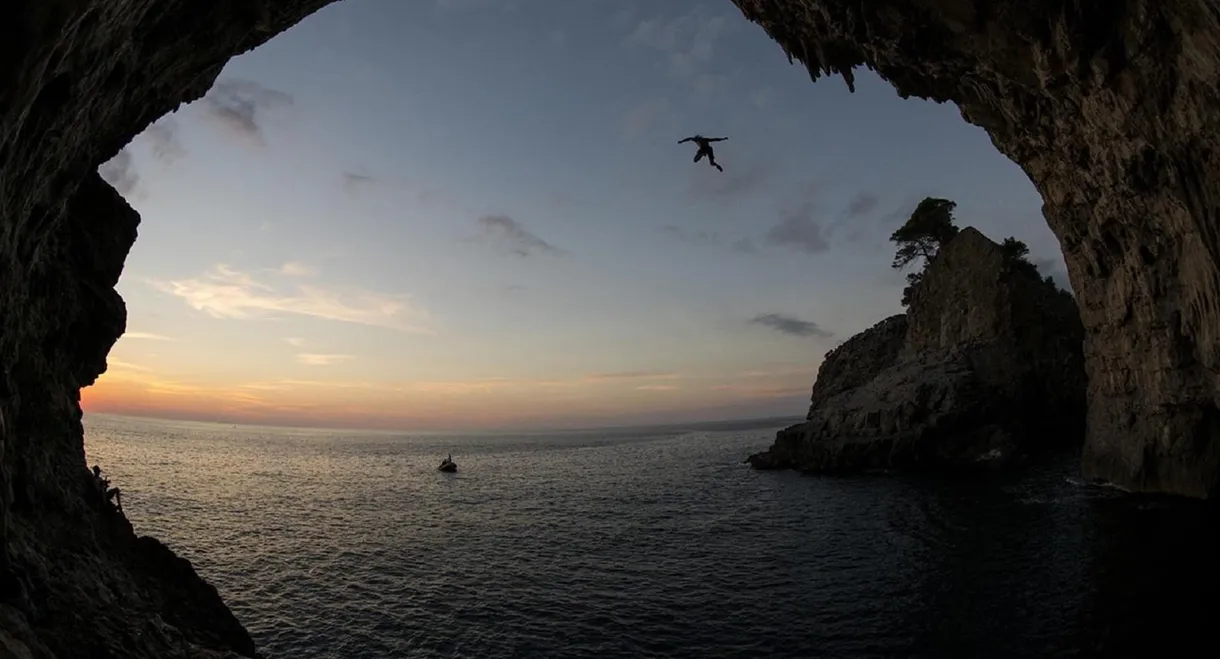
(471, 431)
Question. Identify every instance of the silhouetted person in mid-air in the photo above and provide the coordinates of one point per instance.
(705, 148)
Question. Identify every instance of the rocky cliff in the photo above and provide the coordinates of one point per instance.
(78, 79)
(986, 366)
(1108, 106)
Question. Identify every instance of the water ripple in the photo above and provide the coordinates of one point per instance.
(661, 545)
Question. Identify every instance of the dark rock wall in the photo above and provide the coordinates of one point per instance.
(78, 80)
(858, 360)
(1109, 107)
(972, 301)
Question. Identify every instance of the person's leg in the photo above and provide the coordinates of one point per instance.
(699, 155)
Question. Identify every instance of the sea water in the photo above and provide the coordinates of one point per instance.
(652, 543)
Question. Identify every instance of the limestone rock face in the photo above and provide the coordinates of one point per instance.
(986, 367)
(78, 80)
(1109, 107)
(858, 360)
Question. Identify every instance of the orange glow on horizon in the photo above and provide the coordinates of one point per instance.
(474, 405)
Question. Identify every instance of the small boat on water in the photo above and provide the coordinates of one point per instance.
(448, 465)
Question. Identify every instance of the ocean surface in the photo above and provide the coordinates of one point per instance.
(654, 543)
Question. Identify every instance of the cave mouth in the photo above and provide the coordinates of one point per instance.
(1106, 107)
(226, 170)
(1124, 192)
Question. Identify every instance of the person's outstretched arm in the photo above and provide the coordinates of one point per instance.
(717, 139)
(686, 140)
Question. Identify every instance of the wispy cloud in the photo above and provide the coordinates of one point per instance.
(857, 210)
(118, 364)
(289, 384)
(295, 341)
(862, 204)
(463, 387)
(688, 42)
(737, 179)
(514, 237)
(227, 293)
(120, 173)
(656, 387)
(800, 372)
(761, 98)
(652, 114)
(696, 237)
(149, 336)
(899, 214)
(353, 181)
(297, 269)
(705, 238)
(484, 5)
(314, 359)
(242, 105)
(564, 200)
(624, 17)
(745, 246)
(796, 230)
(163, 139)
(787, 324)
(877, 229)
(631, 375)
(755, 391)
(709, 84)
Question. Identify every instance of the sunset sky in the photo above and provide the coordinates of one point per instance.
(454, 214)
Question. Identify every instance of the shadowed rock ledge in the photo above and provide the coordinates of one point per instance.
(1109, 107)
(986, 367)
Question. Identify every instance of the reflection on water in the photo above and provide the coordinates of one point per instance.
(651, 544)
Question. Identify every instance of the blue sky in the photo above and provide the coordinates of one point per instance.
(467, 213)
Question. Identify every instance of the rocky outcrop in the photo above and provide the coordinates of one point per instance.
(986, 367)
(1109, 108)
(858, 360)
(77, 81)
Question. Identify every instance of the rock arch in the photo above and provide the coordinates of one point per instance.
(1108, 106)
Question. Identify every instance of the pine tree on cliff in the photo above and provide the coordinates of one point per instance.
(1017, 253)
(927, 230)
(931, 227)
